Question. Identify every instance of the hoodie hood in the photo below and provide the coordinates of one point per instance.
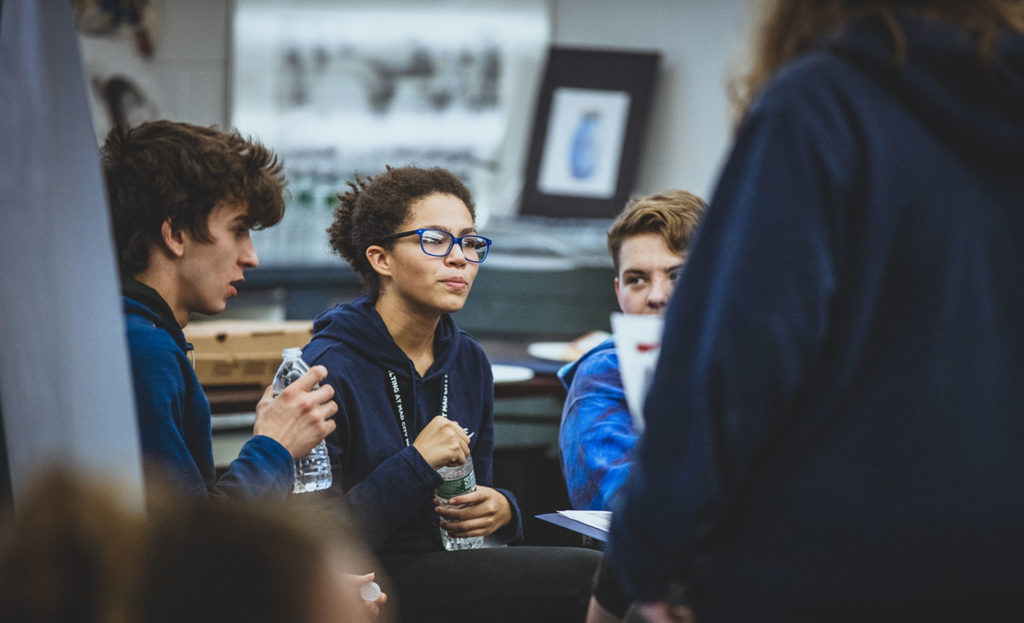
(360, 327)
(976, 103)
(141, 300)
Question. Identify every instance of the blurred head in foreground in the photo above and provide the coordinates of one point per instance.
(75, 551)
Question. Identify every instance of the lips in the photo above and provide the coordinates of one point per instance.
(457, 283)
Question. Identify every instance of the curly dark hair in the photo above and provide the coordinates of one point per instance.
(166, 169)
(375, 207)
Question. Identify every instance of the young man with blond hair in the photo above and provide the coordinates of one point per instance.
(648, 243)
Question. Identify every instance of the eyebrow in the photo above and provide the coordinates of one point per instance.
(463, 232)
(637, 271)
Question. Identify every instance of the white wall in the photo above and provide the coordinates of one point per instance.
(191, 60)
(701, 42)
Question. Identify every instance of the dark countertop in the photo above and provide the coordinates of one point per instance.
(233, 399)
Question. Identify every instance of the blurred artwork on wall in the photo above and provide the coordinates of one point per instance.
(117, 45)
(345, 89)
(591, 118)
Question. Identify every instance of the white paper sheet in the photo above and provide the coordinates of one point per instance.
(602, 520)
(637, 344)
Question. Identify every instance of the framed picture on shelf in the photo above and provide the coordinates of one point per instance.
(591, 116)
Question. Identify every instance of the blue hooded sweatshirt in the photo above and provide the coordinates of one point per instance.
(174, 414)
(596, 437)
(387, 486)
(835, 430)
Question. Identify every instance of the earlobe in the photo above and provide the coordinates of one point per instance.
(379, 259)
(173, 238)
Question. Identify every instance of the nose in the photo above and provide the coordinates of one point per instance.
(248, 257)
(456, 256)
(660, 293)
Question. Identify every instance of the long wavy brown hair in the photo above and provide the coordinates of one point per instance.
(789, 28)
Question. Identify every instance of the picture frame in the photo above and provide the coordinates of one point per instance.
(591, 116)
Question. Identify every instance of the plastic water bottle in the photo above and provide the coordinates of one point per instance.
(313, 471)
(458, 480)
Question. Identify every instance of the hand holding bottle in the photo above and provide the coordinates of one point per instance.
(298, 418)
(479, 513)
(442, 442)
(369, 592)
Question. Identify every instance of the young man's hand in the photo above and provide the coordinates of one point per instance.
(300, 417)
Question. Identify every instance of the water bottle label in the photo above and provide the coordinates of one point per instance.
(459, 486)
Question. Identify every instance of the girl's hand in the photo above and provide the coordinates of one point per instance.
(442, 442)
(483, 512)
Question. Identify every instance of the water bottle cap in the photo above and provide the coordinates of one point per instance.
(289, 353)
(369, 591)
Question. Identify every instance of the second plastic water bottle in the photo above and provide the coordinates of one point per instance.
(313, 471)
(458, 480)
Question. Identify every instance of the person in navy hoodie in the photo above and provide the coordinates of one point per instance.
(410, 385)
(183, 199)
(835, 429)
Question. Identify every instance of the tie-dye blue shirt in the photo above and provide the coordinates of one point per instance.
(596, 438)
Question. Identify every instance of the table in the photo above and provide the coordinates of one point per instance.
(235, 399)
(527, 413)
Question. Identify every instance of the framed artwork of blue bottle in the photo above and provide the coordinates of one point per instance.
(592, 114)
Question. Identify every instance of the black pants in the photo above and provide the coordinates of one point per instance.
(525, 583)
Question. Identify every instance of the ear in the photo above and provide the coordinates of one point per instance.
(173, 238)
(379, 259)
(616, 286)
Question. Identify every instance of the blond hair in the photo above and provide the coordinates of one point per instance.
(673, 214)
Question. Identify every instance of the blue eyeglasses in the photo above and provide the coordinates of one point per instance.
(439, 243)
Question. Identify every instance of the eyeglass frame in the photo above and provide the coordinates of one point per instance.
(452, 241)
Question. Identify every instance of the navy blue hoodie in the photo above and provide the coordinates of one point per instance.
(174, 414)
(835, 430)
(387, 486)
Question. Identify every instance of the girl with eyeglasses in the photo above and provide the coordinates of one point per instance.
(415, 393)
